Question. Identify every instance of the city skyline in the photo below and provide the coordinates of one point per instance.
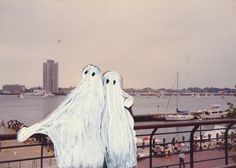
(147, 42)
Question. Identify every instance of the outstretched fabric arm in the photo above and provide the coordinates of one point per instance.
(129, 100)
(42, 127)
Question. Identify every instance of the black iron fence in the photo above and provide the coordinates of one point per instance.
(154, 152)
(223, 142)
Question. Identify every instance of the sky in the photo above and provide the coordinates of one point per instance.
(146, 41)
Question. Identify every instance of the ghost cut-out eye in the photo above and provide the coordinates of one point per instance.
(114, 82)
(86, 72)
(93, 74)
(107, 81)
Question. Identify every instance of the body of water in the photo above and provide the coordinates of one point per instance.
(33, 109)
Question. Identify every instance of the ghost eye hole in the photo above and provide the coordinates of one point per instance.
(93, 74)
(114, 82)
(86, 72)
(107, 81)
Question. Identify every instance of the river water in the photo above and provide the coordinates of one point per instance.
(32, 109)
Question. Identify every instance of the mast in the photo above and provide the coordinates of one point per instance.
(177, 92)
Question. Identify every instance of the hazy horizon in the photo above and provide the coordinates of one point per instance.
(146, 41)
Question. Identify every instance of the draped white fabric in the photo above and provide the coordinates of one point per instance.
(75, 126)
(118, 125)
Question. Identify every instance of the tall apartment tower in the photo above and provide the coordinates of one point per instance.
(50, 76)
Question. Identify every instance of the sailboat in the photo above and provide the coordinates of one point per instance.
(46, 94)
(180, 115)
(21, 96)
(198, 95)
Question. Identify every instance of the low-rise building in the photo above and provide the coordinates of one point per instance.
(13, 88)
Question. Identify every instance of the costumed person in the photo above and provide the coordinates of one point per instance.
(75, 126)
(118, 125)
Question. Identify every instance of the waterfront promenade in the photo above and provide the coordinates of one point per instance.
(21, 153)
(26, 152)
(174, 159)
(6, 131)
(34, 152)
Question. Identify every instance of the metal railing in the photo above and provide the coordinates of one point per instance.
(194, 128)
(41, 144)
(151, 129)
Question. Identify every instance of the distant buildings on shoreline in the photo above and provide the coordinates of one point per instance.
(50, 85)
(192, 91)
(16, 89)
(13, 89)
(50, 82)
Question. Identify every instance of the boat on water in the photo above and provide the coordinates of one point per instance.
(180, 114)
(181, 111)
(38, 92)
(213, 112)
(21, 96)
(179, 117)
(46, 94)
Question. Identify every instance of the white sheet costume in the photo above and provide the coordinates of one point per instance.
(118, 125)
(75, 126)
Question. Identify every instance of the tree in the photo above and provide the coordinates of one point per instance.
(232, 114)
(231, 111)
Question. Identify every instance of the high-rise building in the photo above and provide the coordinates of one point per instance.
(50, 76)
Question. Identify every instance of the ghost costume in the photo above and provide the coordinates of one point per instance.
(75, 126)
(118, 125)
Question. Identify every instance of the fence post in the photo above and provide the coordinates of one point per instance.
(41, 157)
(226, 143)
(191, 144)
(150, 147)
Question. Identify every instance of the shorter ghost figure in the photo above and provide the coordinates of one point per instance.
(117, 124)
(75, 126)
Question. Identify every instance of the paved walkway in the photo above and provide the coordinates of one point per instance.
(51, 163)
(23, 153)
(26, 152)
(158, 162)
(6, 131)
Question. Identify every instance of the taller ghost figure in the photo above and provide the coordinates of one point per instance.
(74, 127)
(118, 125)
